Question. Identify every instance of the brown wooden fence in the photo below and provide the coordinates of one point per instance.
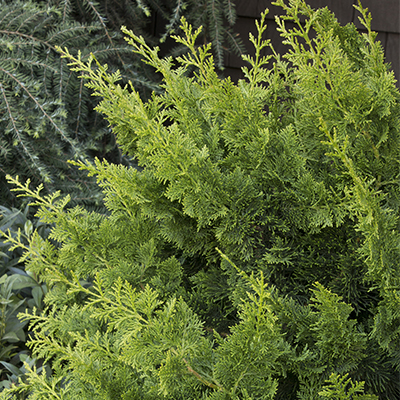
(385, 21)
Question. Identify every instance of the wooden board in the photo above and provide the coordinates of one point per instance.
(385, 21)
(392, 52)
(343, 9)
(385, 15)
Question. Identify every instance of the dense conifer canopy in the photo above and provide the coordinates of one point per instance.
(255, 252)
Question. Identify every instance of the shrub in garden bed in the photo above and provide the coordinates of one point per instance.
(256, 254)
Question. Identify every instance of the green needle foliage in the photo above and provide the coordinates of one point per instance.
(45, 117)
(46, 113)
(255, 254)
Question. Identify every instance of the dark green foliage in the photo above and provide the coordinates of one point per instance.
(20, 291)
(255, 254)
(47, 115)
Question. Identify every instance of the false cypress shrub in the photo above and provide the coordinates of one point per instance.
(47, 115)
(255, 254)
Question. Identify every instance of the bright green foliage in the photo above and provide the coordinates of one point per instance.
(46, 113)
(336, 388)
(255, 255)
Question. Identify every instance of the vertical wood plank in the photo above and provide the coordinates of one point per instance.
(392, 52)
(385, 20)
(385, 15)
